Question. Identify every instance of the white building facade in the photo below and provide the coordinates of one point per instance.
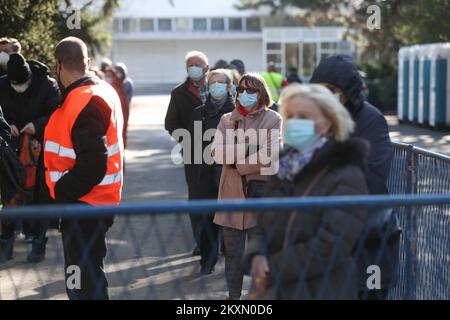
(153, 36)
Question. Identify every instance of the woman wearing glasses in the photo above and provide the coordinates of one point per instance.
(245, 141)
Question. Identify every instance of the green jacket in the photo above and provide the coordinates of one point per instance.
(274, 81)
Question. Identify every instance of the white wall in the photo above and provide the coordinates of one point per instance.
(162, 61)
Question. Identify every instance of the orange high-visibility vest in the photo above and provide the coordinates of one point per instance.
(60, 157)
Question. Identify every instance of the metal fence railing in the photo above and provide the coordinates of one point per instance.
(425, 246)
(419, 185)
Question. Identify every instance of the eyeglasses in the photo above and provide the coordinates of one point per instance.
(249, 90)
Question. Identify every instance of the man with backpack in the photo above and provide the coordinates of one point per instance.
(28, 96)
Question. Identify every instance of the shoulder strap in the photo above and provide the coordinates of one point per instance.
(306, 193)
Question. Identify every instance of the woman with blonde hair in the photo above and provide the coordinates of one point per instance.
(244, 159)
(308, 254)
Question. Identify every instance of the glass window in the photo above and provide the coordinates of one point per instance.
(275, 58)
(292, 56)
(328, 45)
(253, 24)
(274, 46)
(218, 24)
(182, 24)
(117, 25)
(164, 24)
(235, 24)
(200, 24)
(129, 25)
(147, 25)
(309, 58)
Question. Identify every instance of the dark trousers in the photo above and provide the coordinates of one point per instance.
(373, 294)
(234, 251)
(36, 228)
(206, 232)
(85, 248)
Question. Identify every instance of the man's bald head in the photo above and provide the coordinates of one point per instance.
(72, 54)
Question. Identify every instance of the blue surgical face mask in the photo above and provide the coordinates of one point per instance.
(218, 90)
(248, 100)
(300, 133)
(195, 73)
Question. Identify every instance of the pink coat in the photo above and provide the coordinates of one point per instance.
(225, 151)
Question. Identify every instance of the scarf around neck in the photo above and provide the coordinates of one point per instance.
(294, 161)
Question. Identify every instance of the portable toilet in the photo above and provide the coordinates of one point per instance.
(424, 84)
(403, 84)
(440, 86)
(413, 100)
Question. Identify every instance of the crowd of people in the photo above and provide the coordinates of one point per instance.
(63, 139)
(332, 141)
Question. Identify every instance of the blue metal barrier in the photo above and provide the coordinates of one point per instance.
(425, 246)
(419, 184)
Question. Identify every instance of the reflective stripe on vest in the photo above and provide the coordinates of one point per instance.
(54, 147)
(109, 179)
(59, 153)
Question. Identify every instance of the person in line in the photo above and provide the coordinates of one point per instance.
(184, 98)
(274, 80)
(241, 177)
(206, 176)
(293, 77)
(308, 254)
(220, 64)
(7, 47)
(83, 158)
(128, 89)
(113, 77)
(382, 233)
(238, 65)
(28, 96)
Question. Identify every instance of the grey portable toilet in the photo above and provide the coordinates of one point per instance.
(440, 86)
(403, 84)
(413, 99)
(424, 84)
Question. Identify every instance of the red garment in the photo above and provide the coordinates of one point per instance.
(118, 86)
(246, 112)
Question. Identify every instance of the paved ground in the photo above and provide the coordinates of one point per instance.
(149, 258)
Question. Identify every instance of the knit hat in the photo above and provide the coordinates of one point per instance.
(18, 69)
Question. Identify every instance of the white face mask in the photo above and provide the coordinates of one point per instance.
(4, 58)
(21, 88)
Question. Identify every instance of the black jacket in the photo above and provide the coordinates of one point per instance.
(5, 130)
(34, 105)
(372, 126)
(370, 122)
(204, 177)
(182, 103)
(318, 262)
(89, 143)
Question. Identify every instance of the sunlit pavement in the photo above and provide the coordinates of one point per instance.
(150, 257)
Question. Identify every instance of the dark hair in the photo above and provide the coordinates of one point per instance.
(238, 65)
(221, 64)
(257, 81)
